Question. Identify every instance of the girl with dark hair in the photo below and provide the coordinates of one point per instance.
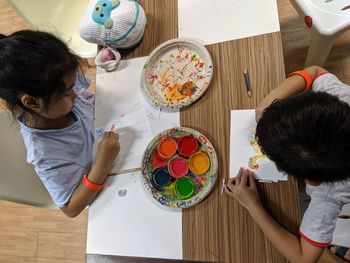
(38, 79)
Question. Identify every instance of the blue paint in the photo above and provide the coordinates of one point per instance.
(160, 178)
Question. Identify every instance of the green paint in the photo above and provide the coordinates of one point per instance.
(184, 187)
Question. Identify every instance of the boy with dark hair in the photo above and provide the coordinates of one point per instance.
(307, 136)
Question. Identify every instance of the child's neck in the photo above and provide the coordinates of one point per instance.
(314, 183)
(42, 123)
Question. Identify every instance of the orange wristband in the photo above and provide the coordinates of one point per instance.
(92, 186)
(306, 76)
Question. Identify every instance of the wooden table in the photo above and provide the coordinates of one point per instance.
(218, 229)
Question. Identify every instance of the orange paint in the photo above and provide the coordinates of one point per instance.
(167, 148)
(199, 163)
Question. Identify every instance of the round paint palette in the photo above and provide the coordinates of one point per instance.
(177, 73)
(178, 193)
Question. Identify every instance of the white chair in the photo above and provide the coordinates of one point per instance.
(327, 19)
(18, 180)
(60, 17)
(341, 235)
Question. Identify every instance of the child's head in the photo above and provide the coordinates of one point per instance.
(308, 136)
(37, 65)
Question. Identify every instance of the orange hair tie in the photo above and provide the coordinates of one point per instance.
(92, 186)
(306, 76)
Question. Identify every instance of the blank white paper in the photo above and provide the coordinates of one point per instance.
(211, 21)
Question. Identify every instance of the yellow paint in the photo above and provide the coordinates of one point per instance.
(199, 163)
(164, 74)
(253, 161)
(173, 93)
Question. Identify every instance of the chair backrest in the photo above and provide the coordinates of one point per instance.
(61, 17)
(341, 235)
(18, 180)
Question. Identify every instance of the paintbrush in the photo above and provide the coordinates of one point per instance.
(223, 185)
(124, 171)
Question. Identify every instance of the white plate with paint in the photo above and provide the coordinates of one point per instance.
(177, 73)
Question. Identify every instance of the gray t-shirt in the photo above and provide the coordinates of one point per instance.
(61, 157)
(327, 199)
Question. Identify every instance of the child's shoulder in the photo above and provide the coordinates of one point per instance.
(334, 190)
(84, 107)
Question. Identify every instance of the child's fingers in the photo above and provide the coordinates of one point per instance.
(244, 178)
(252, 180)
(230, 186)
(228, 190)
(239, 175)
(231, 180)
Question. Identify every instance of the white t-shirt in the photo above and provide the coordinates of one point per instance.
(327, 199)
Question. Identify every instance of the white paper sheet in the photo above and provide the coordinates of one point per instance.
(120, 92)
(134, 133)
(125, 220)
(211, 21)
(244, 151)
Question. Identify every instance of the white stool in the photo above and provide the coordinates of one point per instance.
(327, 19)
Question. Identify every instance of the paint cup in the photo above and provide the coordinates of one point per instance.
(199, 163)
(184, 187)
(187, 145)
(167, 147)
(178, 167)
(160, 178)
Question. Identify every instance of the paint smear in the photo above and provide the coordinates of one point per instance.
(157, 161)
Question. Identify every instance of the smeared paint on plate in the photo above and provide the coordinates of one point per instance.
(177, 73)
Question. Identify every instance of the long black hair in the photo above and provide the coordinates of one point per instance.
(34, 63)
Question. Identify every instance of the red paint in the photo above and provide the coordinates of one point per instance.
(178, 167)
(308, 21)
(157, 161)
(167, 148)
(187, 145)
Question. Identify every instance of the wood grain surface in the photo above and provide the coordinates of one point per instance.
(218, 229)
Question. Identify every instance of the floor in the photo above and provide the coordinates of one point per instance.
(35, 235)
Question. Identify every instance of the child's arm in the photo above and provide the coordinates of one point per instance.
(243, 189)
(82, 196)
(288, 87)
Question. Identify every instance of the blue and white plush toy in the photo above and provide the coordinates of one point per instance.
(115, 23)
(102, 12)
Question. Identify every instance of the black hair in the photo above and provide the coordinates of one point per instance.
(308, 136)
(34, 63)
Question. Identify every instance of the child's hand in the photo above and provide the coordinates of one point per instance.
(107, 150)
(243, 189)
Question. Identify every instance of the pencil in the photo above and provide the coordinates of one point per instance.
(247, 82)
(125, 171)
